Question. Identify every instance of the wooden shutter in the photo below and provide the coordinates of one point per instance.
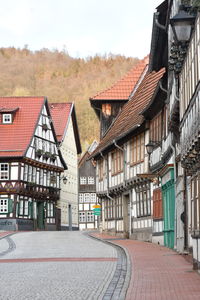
(10, 205)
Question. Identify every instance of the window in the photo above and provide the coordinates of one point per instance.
(3, 206)
(93, 197)
(86, 197)
(25, 172)
(4, 171)
(7, 119)
(117, 161)
(82, 217)
(106, 109)
(23, 208)
(90, 216)
(143, 199)
(50, 210)
(156, 128)
(83, 180)
(90, 180)
(81, 198)
(109, 210)
(137, 149)
(195, 205)
(157, 204)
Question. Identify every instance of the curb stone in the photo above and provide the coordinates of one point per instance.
(122, 282)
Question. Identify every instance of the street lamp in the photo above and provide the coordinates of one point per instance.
(182, 24)
(64, 179)
(150, 147)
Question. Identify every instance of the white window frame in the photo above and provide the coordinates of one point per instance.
(90, 179)
(81, 197)
(3, 206)
(82, 217)
(93, 197)
(87, 197)
(90, 216)
(83, 180)
(4, 177)
(7, 119)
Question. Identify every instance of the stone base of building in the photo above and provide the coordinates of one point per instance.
(9, 224)
(158, 238)
(66, 228)
(51, 227)
(144, 235)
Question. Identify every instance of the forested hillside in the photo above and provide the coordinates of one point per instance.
(61, 78)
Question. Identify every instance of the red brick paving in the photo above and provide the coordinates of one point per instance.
(57, 259)
(5, 233)
(158, 273)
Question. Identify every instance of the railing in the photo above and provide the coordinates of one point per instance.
(28, 189)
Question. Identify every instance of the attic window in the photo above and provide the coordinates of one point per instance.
(7, 119)
(106, 109)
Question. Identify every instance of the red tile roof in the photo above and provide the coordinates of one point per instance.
(122, 89)
(60, 113)
(16, 137)
(130, 117)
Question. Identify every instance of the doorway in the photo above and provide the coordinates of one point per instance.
(40, 216)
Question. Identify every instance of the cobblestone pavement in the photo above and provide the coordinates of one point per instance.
(85, 278)
(158, 273)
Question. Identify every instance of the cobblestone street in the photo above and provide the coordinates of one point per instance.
(55, 265)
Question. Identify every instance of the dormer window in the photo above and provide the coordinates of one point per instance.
(106, 109)
(7, 115)
(7, 119)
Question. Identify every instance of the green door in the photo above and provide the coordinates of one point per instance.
(168, 192)
(40, 215)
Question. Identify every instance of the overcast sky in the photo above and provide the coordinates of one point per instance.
(83, 27)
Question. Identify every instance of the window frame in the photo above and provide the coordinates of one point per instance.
(137, 149)
(4, 116)
(5, 171)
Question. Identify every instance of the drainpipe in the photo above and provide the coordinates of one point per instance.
(157, 22)
(175, 215)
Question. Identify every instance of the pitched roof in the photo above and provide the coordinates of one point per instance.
(16, 137)
(122, 89)
(130, 117)
(61, 113)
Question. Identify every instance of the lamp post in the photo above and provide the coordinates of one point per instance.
(150, 146)
(182, 24)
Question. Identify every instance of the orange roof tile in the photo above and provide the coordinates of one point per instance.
(122, 89)
(60, 113)
(16, 137)
(130, 116)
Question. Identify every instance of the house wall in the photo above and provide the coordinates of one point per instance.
(120, 196)
(32, 189)
(69, 192)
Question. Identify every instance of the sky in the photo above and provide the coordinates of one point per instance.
(82, 27)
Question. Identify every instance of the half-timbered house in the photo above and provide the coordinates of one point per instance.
(87, 190)
(66, 127)
(121, 156)
(189, 95)
(30, 165)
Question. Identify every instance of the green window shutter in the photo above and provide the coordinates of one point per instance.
(10, 205)
(30, 209)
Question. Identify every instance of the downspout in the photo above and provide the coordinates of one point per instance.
(157, 22)
(175, 214)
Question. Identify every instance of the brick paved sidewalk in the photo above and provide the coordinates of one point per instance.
(5, 233)
(158, 273)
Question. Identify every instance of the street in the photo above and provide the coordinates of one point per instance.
(56, 265)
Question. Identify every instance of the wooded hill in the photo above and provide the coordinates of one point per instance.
(62, 79)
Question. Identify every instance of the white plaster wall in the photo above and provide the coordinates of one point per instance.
(69, 191)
